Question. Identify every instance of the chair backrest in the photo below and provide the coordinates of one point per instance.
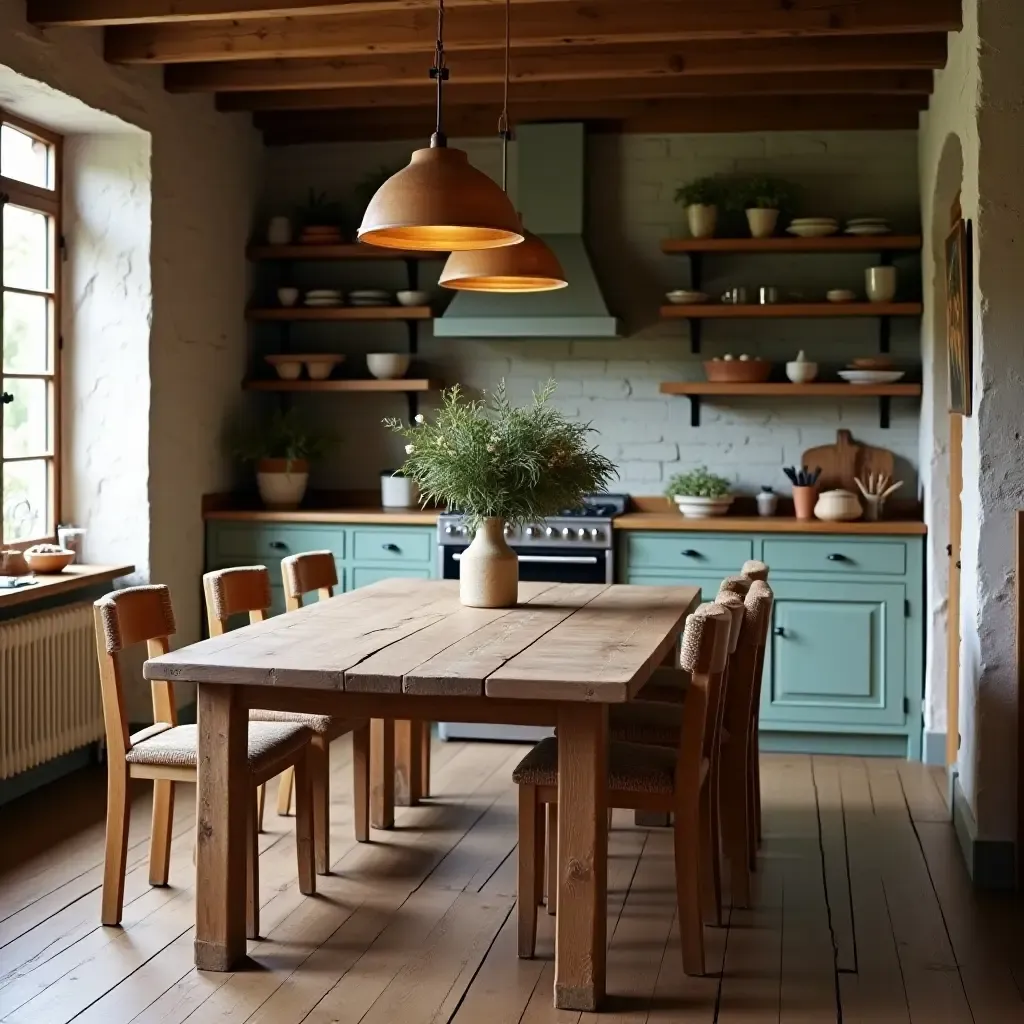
(735, 585)
(755, 570)
(767, 595)
(228, 592)
(304, 573)
(122, 619)
(733, 604)
(704, 654)
(743, 680)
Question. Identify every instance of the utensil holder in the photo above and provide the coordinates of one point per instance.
(804, 500)
(873, 505)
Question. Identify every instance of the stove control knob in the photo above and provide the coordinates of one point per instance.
(596, 534)
(507, 530)
(450, 530)
(532, 531)
(566, 533)
(550, 532)
(581, 533)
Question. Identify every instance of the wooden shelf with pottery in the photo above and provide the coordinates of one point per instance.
(400, 384)
(300, 313)
(791, 244)
(793, 310)
(344, 251)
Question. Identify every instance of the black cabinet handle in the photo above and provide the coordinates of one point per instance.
(779, 631)
(391, 547)
(836, 557)
(690, 553)
(279, 545)
(6, 398)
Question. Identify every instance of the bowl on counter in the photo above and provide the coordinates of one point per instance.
(387, 365)
(413, 298)
(48, 558)
(737, 371)
(683, 297)
(702, 508)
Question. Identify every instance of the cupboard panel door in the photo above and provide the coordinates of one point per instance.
(836, 654)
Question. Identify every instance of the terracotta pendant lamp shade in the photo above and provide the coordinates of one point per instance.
(440, 203)
(528, 267)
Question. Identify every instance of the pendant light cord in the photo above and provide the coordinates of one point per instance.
(439, 73)
(503, 128)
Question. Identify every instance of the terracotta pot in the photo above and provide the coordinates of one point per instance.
(701, 220)
(282, 483)
(489, 569)
(762, 222)
(803, 501)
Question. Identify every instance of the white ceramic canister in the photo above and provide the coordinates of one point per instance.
(396, 490)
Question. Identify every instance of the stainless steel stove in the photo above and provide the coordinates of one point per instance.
(575, 546)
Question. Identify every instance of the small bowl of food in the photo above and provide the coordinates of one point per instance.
(732, 370)
(48, 558)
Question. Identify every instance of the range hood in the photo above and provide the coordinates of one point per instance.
(551, 193)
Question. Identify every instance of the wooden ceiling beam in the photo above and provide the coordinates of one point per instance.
(728, 114)
(557, 23)
(98, 13)
(741, 56)
(836, 83)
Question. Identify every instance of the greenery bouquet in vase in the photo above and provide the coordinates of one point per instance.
(500, 466)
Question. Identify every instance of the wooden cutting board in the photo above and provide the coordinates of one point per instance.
(843, 461)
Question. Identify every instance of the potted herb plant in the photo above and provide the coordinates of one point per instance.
(762, 198)
(499, 465)
(281, 451)
(701, 198)
(700, 494)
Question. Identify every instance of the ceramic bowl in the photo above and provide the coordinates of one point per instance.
(837, 506)
(702, 508)
(287, 296)
(409, 298)
(287, 367)
(801, 372)
(737, 371)
(49, 560)
(387, 365)
(682, 297)
(840, 295)
(320, 367)
(856, 377)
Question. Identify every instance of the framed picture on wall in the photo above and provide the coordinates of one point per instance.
(958, 316)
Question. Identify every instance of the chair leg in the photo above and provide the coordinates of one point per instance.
(305, 829)
(539, 837)
(687, 857)
(320, 780)
(710, 875)
(735, 845)
(425, 760)
(261, 802)
(285, 783)
(116, 849)
(526, 904)
(361, 783)
(160, 831)
(252, 871)
(552, 859)
(755, 781)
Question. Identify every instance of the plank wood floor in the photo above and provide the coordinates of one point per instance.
(863, 913)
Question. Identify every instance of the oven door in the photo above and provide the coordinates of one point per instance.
(544, 565)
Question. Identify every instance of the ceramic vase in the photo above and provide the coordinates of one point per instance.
(762, 222)
(489, 569)
(804, 499)
(282, 482)
(701, 219)
(279, 231)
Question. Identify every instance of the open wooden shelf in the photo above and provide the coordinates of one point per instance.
(406, 384)
(794, 244)
(793, 310)
(344, 251)
(832, 389)
(299, 313)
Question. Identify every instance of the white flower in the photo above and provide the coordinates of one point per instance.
(490, 447)
(409, 449)
(420, 418)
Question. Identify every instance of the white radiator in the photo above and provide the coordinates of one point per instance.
(49, 687)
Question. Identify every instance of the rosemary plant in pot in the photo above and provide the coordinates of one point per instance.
(499, 464)
(281, 451)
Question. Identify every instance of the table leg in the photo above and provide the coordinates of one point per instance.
(382, 773)
(580, 942)
(408, 763)
(223, 795)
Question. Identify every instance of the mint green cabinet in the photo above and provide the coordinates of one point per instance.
(844, 663)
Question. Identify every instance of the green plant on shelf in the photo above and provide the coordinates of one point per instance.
(322, 211)
(282, 436)
(762, 192)
(698, 483)
(708, 191)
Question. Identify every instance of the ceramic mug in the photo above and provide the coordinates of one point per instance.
(279, 231)
(880, 283)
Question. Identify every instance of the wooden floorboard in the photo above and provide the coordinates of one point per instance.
(862, 912)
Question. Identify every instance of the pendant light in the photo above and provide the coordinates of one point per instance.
(440, 202)
(530, 266)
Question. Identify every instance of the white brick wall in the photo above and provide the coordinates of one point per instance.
(614, 384)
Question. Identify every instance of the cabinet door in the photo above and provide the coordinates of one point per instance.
(364, 575)
(708, 582)
(836, 654)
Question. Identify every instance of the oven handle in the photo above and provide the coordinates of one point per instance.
(549, 559)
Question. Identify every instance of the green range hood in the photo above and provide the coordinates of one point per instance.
(551, 194)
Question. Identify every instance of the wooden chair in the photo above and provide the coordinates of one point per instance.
(246, 589)
(168, 753)
(642, 777)
(755, 570)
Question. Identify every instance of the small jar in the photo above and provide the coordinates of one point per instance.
(279, 231)
(767, 502)
(397, 490)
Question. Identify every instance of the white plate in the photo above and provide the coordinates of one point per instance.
(872, 376)
(316, 303)
(323, 293)
(370, 293)
(685, 298)
(867, 220)
(867, 229)
(812, 230)
(814, 220)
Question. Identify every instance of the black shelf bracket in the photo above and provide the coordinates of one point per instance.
(695, 334)
(694, 410)
(884, 333)
(413, 400)
(884, 404)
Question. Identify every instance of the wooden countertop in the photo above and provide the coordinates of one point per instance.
(765, 524)
(368, 514)
(74, 577)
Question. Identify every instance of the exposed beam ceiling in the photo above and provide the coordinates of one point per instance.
(557, 23)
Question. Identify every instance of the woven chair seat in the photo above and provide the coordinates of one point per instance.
(632, 767)
(320, 724)
(642, 721)
(177, 746)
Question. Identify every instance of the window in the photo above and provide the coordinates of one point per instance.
(29, 324)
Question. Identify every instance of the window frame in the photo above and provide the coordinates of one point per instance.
(49, 202)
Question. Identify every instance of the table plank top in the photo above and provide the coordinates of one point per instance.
(563, 641)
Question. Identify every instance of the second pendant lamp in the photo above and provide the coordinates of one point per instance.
(440, 202)
(530, 266)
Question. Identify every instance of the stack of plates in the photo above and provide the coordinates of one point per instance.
(323, 297)
(315, 234)
(369, 297)
(813, 227)
(867, 226)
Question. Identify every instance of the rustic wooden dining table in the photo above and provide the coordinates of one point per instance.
(406, 649)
